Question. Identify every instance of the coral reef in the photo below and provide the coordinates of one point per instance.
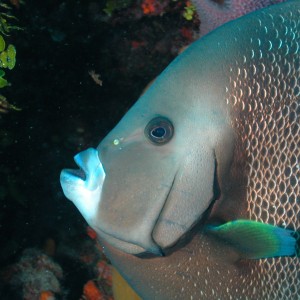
(44, 274)
(36, 274)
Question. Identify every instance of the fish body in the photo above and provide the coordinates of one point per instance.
(214, 139)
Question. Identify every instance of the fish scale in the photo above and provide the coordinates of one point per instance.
(270, 137)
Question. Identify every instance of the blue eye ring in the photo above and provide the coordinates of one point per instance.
(159, 131)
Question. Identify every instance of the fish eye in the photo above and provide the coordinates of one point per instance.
(159, 131)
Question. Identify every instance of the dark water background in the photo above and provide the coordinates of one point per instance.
(64, 111)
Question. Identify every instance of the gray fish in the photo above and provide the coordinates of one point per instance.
(215, 138)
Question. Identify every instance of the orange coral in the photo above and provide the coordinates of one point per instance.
(187, 33)
(137, 44)
(148, 7)
(91, 292)
(46, 295)
(91, 232)
(154, 7)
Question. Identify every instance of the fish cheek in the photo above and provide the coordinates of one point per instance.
(137, 183)
(191, 194)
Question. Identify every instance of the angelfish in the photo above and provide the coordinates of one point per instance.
(195, 193)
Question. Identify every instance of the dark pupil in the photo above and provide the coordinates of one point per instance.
(158, 132)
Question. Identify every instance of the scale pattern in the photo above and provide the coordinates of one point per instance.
(265, 84)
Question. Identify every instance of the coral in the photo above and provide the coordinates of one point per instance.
(99, 287)
(47, 295)
(38, 275)
(104, 272)
(91, 291)
(154, 7)
(91, 233)
(187, 33)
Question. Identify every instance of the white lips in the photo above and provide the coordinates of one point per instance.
(84, 186)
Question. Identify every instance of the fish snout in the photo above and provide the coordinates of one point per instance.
(83, 186)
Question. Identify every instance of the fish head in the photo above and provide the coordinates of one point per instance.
(156, 171)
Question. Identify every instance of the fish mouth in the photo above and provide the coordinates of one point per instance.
(90, 173)
(76, 174)
(83, 186)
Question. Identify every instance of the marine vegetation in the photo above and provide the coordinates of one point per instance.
(189, 11)
(7, 61)
(7, 54)
(7, 19)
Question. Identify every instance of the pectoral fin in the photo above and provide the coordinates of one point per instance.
(256, 240)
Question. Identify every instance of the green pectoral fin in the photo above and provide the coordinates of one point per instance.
(256, 240)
